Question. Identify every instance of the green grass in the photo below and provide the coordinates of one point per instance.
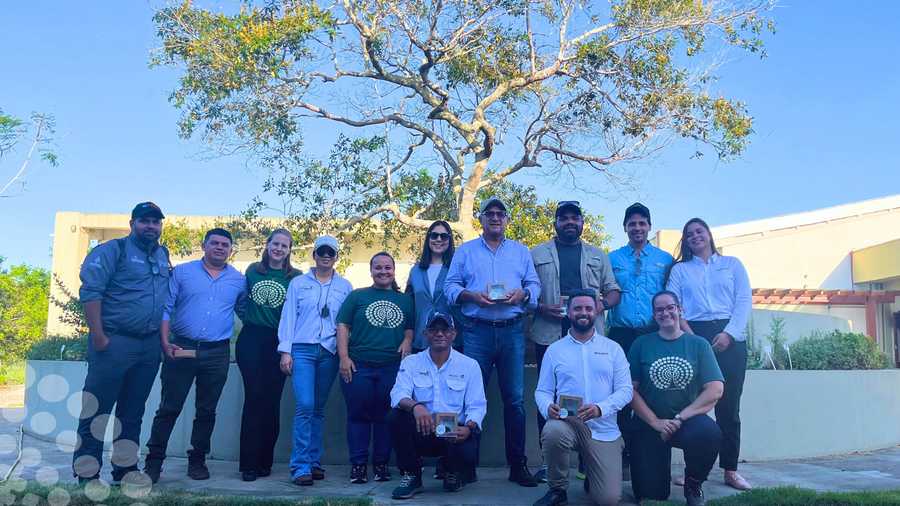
(12, 374)
(793, 496)
(35, 494)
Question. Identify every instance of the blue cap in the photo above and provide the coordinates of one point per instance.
(439, 316)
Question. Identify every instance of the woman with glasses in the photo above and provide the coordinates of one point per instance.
(676, 383)
(375, 332)
(308, 346)
(426, 280)
(257, 356)
(717, 298)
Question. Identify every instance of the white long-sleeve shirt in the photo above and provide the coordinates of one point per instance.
(454, 388)
(301, 317)
(718, 290)
(597, 371)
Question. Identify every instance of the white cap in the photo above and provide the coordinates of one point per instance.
(326, 240)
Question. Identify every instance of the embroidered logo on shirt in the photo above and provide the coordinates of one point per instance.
(385, 314)
(671, 373)
(96, 262)
(268, 293)
(136, 260)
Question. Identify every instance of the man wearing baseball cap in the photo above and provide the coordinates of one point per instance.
(438, 383)
(124, 285)
(494, 281)
(565, 264)
(640, 269)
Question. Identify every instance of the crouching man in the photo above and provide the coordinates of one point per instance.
(438, 405)
(585, 380)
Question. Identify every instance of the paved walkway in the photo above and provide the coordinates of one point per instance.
(867, 471)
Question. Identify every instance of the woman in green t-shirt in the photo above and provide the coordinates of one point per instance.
(676, 383)
(257, 355)
(375, 332)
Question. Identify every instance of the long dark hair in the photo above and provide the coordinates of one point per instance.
(447, 257)
(394, 284)
(263, 266)
(684, 250)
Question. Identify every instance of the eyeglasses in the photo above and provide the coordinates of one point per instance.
(659, 311)
(433, 331)
(154, 265)
(564, 203)
(434, 236)
(325, 251)
(637, 266)
(495, 214)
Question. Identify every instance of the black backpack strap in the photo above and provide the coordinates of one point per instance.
(121, 243)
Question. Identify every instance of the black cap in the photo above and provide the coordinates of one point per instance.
(637, 208)
(568, 206)
(145, 208)
(439, 316)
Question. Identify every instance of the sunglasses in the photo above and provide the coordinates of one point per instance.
(325, 251)
(495, 214)
(154, 265)
(564, 203)
(434, 236)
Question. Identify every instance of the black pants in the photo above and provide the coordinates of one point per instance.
(260, 364)
(210, 370)
(651, 457)
(121, 375)
(733, 363)
(409, 445)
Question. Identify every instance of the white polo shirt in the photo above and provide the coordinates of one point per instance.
(454, 388)
(597, 371)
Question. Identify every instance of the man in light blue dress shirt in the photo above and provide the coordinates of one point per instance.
(640, 270)
(203, 296)
(493, 332)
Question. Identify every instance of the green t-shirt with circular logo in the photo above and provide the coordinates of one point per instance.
(267, 294)
(377, 319)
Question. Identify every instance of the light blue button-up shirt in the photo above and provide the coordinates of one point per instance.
(634, 310)
(301, 318)
(475, 265)
(200, 306)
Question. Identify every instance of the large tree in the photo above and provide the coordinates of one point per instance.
(24, 295)
(14, 131)
(450, 97)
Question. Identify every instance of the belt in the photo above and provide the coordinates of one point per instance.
(134, 335)
(199, 345)
(498, 324)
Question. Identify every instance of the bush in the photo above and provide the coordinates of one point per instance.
(49, 349)
(838, 350)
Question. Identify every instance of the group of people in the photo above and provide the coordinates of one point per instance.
(413, 385)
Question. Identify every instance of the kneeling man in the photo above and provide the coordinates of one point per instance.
(439, 404)
(592, 379)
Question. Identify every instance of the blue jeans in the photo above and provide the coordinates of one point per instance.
(504, 347)
(368, 399)
(313, 375)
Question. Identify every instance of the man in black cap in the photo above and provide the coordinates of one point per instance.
(640, 269)
(435, 391)
(124, 287)
(565, 264)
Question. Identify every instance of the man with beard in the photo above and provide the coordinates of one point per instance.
(640, 269)
(124, 288)
(203, 294)
(494, 332)
(593, 369)
(563, 264)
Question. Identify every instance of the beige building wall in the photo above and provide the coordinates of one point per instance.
(74, 233)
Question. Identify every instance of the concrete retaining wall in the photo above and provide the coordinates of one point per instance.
(786, 414)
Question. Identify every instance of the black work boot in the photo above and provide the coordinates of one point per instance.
(693, 492)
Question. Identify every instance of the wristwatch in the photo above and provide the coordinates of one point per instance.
(605, 304)
(678, 417)
(527, 297)
(474, 430)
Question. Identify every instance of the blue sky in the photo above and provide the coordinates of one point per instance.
(825, 104)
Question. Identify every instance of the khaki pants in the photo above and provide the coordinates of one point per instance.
(602, 459)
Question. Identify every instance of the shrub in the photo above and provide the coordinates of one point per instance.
(755, 358)
(777, 337)
(838, 350)
(49, 349)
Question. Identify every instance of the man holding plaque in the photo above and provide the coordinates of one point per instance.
(438, 405)
(563, 264)
(493, 329)
(585, 380)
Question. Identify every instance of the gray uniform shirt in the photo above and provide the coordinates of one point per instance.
(133, 296)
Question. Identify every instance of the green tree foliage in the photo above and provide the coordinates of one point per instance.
(70, 307)
(838, 350)
(24, 292)
(451, 97)
(14, 131)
